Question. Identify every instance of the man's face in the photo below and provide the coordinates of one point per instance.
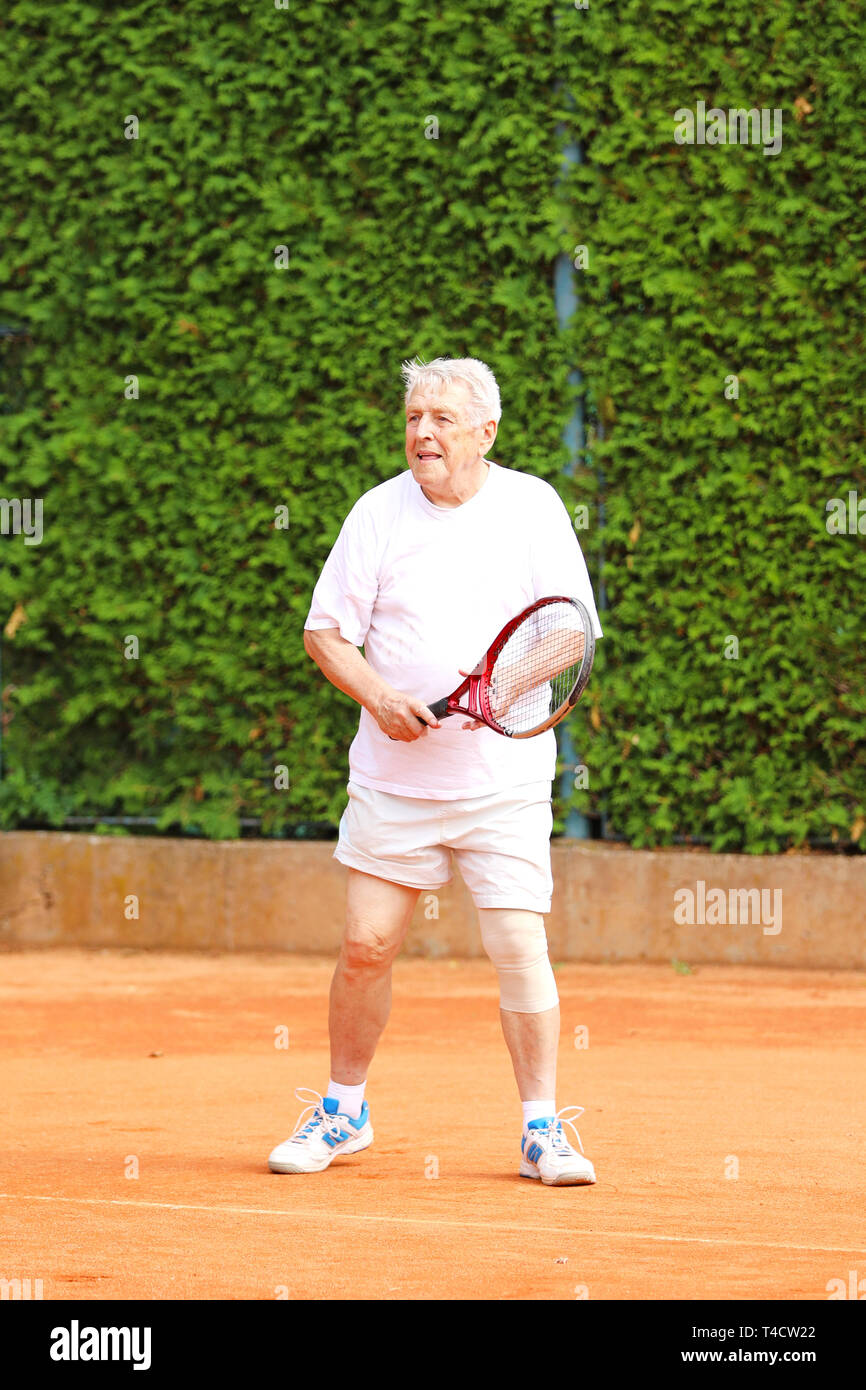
(440, 441)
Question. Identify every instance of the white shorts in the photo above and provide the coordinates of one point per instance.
(501, 841)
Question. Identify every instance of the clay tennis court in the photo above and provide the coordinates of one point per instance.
(686, 1077)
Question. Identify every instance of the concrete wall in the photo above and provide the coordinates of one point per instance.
(610, 903)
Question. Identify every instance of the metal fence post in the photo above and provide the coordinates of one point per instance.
(576, 825)
(10, 332)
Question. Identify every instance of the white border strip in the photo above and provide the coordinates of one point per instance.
(530, 1229)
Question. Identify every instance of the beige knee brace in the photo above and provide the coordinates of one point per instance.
(516, 942)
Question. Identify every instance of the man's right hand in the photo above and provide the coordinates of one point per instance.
(398, 716)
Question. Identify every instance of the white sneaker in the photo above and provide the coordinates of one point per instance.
(320, 1137)
(547, 1154)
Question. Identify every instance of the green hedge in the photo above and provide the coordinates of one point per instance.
(261, 387)
(709, 261)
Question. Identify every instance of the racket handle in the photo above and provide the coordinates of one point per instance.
(439, 708)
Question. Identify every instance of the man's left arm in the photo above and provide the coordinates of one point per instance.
(558, 566)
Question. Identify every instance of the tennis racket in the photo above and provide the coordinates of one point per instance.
(532, 674)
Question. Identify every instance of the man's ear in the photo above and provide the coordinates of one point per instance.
(489, 434)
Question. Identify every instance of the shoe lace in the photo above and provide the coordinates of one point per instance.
(319, 1121)
(556, 1134)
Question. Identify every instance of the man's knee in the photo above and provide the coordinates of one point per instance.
(516, 942)
(366, 948)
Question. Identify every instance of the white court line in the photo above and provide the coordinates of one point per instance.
(436, 1221)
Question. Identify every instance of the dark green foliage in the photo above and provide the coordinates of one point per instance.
(262, 387)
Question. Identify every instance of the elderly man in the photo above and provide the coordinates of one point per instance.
(427, 568)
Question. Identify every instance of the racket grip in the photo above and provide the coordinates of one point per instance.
(439, 708)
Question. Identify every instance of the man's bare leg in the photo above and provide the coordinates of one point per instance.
(378, 914)
(533, 1041)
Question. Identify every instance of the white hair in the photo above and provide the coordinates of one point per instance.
(476, 376)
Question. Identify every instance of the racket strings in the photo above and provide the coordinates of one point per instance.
(537, 668)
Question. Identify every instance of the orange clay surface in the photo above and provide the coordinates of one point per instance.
(121, 1062)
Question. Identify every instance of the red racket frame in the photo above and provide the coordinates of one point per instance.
(477, 683)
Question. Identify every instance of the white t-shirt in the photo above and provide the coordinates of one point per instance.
(424, 590)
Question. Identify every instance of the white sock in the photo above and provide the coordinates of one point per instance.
(351, 1098)
(537, 1110)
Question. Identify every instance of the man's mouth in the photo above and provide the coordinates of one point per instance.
(428, 456)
